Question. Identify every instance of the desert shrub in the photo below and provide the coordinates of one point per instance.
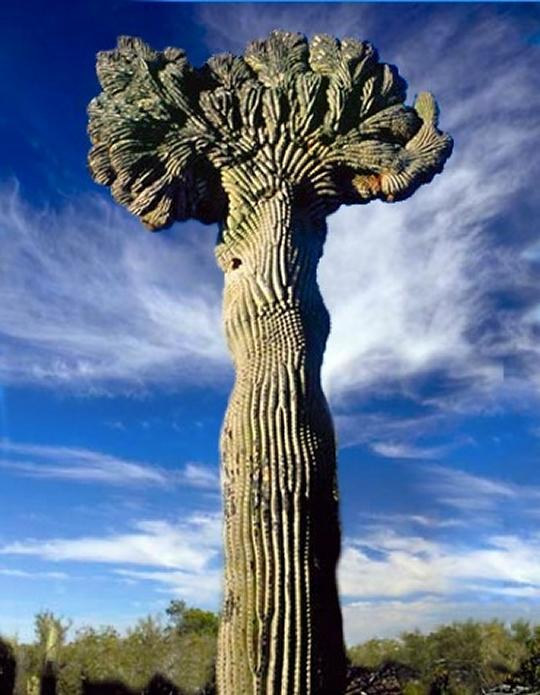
(375, 652)
(147, 650)
(458, 659)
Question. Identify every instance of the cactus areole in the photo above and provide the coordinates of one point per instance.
(267, 145)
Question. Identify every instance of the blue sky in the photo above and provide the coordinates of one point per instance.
(114, 373)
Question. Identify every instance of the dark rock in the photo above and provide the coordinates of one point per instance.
(159, 685)
(388, 679)
(107, 687)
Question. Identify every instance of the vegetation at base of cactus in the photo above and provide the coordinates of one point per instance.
(465, 658)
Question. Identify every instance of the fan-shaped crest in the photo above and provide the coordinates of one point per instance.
(163, 132)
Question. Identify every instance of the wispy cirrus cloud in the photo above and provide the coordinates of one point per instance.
(400, 520)
(434, 499)
(25, 574)
(469, 493)
(199, 476)
(256, 22)
(369, 428)
(190, 545)
(78, 465)
(94, 302)
(402, 450)
(406, 566)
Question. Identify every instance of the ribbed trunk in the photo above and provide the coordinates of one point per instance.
(281, 630)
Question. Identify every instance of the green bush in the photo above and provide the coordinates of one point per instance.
(458, 659)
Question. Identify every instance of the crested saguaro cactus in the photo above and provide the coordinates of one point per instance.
(267, 145)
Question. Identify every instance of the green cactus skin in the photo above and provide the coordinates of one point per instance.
(267, 145)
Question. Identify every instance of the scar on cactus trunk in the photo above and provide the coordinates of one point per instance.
(267, 145)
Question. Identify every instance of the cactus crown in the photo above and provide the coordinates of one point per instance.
(325, 113)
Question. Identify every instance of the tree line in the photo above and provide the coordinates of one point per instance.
(174, 654)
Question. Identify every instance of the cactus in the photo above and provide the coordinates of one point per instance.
(267, 145)
(51, 634)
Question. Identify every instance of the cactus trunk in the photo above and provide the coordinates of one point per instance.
(281, 631)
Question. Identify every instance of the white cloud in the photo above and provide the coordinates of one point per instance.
(180, 559)
(77, 465)
(402, 450)
(368, 428)
(402, 293)
(397, 574)
(191, 545)
(391, 520)
(199, 476)
(467, 492)
(73, 464)
(389, 565)
(408, 556)
(90, 299)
